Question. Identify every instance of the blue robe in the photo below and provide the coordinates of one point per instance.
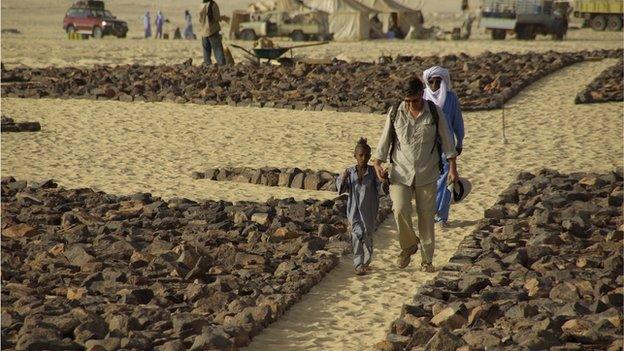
(362, 207)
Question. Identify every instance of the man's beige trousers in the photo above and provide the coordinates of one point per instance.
(425, 198)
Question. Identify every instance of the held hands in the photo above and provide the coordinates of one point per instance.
(381, 172)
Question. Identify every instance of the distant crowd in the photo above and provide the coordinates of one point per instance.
(210, 29)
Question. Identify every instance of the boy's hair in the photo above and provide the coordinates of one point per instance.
(362, 144)
(413, 86)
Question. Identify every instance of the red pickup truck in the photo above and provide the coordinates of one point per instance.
(90, 17)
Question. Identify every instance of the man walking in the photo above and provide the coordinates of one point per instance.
(439, 90)
(209, 17)
(410, 141)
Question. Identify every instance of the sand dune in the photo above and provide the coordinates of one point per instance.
(128, 147)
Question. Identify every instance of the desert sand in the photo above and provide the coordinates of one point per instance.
(124, 148)
(43, 41)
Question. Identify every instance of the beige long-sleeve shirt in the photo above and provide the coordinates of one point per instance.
(413, 159)
(209, 28)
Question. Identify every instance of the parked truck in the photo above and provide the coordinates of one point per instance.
(281, 24)
(525, 18)
(600, 14)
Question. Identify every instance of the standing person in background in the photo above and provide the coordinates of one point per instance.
(147, 24)
(439, 90)
(160, 21)
(209, 17)
(188, 28)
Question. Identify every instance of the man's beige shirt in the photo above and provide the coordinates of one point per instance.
(209, 28)
(414, 163)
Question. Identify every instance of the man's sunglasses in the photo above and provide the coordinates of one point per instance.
(411, 101)
(434, 81)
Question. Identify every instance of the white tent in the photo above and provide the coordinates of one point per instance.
(274, 5)
(391, 12)
(348, 19)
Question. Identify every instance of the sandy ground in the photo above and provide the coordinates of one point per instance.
(43, 42)
(127, 147)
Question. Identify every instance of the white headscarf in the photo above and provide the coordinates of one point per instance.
(439, 96)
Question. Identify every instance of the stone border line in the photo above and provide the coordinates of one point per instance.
(9, 125)
(485, 81)
(543, 270)
(607, 87)
(270, 176)
(85, 269)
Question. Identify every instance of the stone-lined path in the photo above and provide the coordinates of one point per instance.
(544, 129)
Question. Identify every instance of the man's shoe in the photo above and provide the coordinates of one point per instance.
(427, 267)
(403, 261)
(406, 256)
(360, 270)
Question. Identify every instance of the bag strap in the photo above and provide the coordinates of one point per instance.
(436, 118)
(393, 113)
(438, 141)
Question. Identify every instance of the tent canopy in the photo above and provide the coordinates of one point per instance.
(393, 13)
(274, 5)
(386, 6)
(348, 19)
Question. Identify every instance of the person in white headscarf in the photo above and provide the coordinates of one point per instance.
(147, 26)
(439, 90)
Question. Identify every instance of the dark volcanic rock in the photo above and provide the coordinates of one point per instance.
(9, 125)
(530, 281)
(608, 86)
(287, 177)
(137, 272)
(490, 80)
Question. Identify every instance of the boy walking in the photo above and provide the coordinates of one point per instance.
(362, 185)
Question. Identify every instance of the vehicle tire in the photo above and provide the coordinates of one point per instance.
(297, 36)
(525, 33)
(286, 61)
(598, 22)
(614, 23)
(97, 33)
(499, 34)
(70, 29)
(248, 34)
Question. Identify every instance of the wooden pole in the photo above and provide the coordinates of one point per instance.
(503, 121)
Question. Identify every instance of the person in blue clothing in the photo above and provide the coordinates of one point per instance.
(362, 185)
(439, 90)
(160, 22)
